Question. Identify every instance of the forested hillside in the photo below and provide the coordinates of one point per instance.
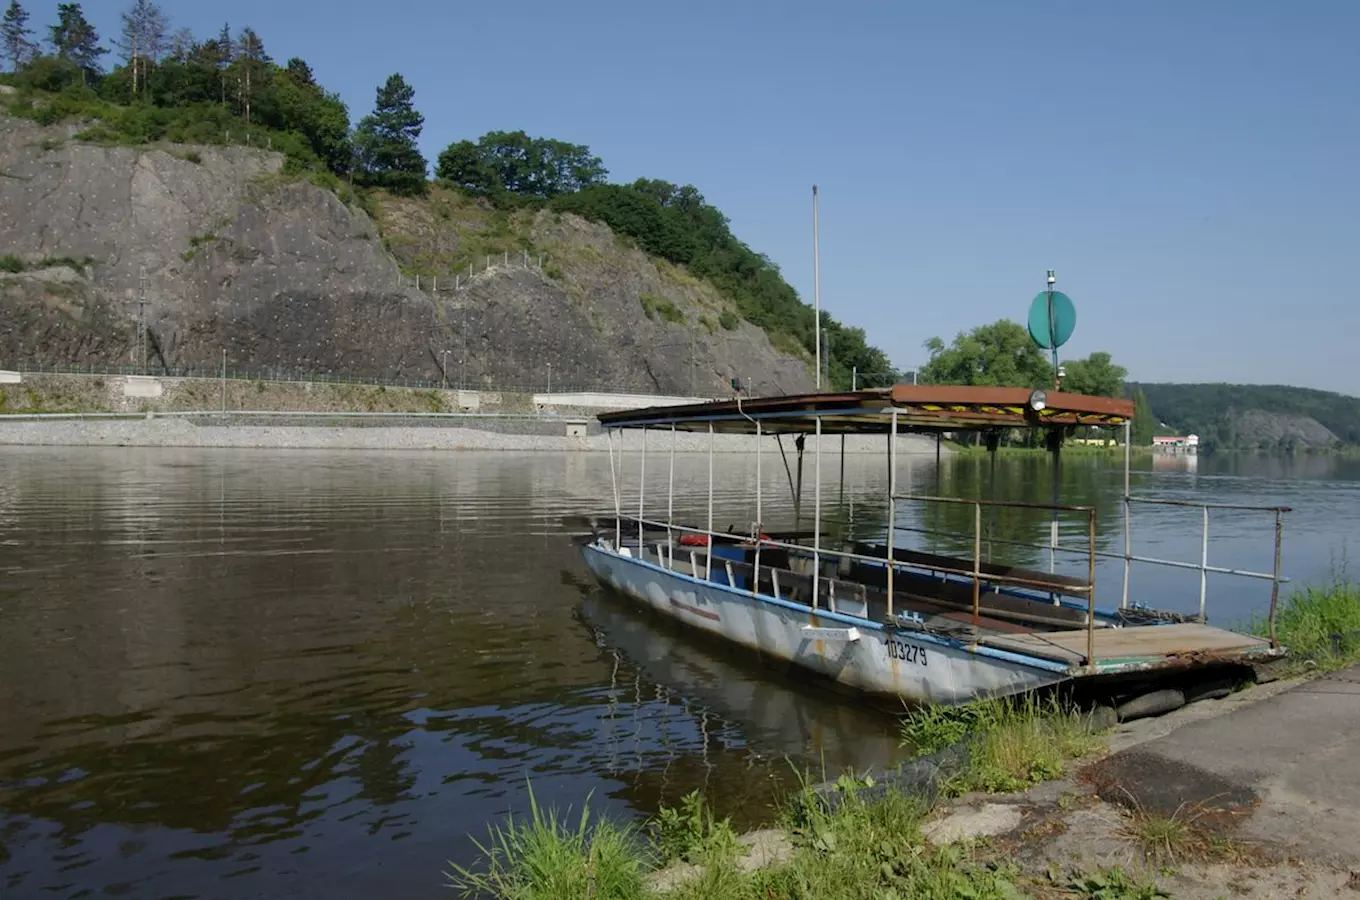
(170, 85)
(1257, 417)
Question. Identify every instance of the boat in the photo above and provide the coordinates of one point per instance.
(891, 620)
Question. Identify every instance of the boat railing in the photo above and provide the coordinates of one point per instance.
(976, 573)
(1274, 576)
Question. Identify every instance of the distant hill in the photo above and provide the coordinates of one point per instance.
(1257, 417)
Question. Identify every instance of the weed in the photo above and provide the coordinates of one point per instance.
(12, 264)
(691, 833)
(196, 243)
(552, 272)
(728, 320)
(1114, 884)
(193, 156)
(708, 324)
(545, 858)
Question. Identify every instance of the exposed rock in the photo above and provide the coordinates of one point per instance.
(230, 254)
(987, 820)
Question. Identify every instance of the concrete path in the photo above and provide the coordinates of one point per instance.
(1283, 773)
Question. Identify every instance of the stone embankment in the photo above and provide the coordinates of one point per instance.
(79, 410)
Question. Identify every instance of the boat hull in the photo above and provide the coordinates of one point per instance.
(918, 668)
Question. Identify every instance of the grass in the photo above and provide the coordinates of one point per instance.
(1320, 625)
(12, 264)
(1013, 743)
(662, 309)
(546, 857)
(860, 849)
(1112, 884)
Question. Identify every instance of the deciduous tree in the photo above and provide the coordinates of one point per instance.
(1001, 353)
(144, 40)
(1096, 375)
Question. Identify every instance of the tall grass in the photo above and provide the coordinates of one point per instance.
(1320, 624)
(1013, 742)
(547, 858)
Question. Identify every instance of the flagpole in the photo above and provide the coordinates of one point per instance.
(816, 290)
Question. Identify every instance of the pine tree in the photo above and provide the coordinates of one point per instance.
(75, 39)
(252, 58)
(14, 36)
(386, 140)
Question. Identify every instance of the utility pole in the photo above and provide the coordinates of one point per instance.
(816, 290)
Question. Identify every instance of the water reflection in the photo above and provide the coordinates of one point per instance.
(242, 674)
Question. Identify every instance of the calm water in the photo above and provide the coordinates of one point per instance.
(249, 674)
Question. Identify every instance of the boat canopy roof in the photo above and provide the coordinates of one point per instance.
(919, 408)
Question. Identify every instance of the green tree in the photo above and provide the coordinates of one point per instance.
(1144, 422)
(15, 36)
(512, 162)
(385, 141)
(999, 354)
(73, 38)
(1095, 376)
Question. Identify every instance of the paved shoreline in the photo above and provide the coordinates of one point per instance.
(532, 436)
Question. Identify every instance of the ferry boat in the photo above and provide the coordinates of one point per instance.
(890, 620)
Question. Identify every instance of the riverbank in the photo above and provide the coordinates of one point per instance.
(1253, 793)
(546, 433)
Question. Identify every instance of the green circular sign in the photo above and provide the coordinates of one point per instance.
(1052, 319)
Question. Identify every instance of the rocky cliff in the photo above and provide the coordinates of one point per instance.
(229, 254)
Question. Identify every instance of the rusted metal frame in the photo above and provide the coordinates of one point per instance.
(1091, 592)
(1017, 504)
(1275, 582)
(1195, 504)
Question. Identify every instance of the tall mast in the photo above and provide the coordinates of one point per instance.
(816, 290)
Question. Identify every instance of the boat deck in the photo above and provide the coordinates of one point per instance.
(1130, 645)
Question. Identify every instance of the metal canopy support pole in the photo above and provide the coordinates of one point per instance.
(642, 487)
(1055, 447)
(1128, 515)
(892, 507)
(993, 444)
(708, 564)
(817, 519)
(798, 490)
(614, 481)
(670, 505)
(977, 567)
(760, 517)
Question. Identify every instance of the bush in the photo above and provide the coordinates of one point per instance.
(659, 308)
(11, 263)
(729, 320)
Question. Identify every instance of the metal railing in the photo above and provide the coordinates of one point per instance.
(1203, 567)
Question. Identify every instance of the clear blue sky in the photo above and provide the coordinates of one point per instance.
(1191, 170)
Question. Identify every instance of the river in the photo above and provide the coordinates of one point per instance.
(238, 674)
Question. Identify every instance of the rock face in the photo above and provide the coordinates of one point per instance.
(232, 255)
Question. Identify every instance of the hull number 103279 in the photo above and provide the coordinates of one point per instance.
(912, 653)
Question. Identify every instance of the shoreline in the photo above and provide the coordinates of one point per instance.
(178, 432)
